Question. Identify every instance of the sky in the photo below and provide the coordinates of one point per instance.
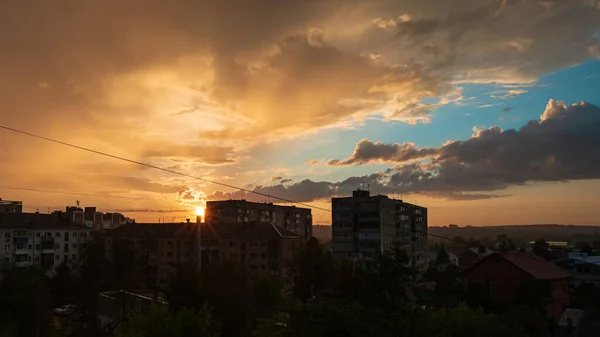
(486, 112)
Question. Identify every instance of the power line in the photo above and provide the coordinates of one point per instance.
(157, 167)
(72, 193)
(168, 171)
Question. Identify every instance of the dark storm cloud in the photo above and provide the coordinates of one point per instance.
(561, 146)
(366, 151)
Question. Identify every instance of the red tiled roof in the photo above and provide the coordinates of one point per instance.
(535, 266)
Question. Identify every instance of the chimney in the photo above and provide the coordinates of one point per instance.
(187, 220)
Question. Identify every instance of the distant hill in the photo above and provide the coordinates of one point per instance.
(531, 232)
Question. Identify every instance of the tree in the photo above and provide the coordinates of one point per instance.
(63, 283)
(541, 249)
(335, 318)
(25, 291)
(381, 284)
(461, 321)
(534, 294)
(531, 321)
(183, 290)
(310, 269)
(442, 257)
(159, 321)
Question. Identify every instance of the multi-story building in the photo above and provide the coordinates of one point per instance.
(44, 240)
(258, 246)
(295, 219)
(9, 206)
(159, 248)
(99, 221)
(364, 226)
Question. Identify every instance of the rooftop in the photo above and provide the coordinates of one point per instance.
(535, 265)
(37, 221)
(171, 230)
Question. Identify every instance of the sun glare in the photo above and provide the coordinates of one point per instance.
(200, 211)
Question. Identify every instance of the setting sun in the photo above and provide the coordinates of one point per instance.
(200, 211)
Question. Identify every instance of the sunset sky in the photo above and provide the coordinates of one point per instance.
(484, 111)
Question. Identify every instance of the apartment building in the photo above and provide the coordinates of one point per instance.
(292, 218)
(157, 249)
(261, 247)
(364, 226)
(42, 240)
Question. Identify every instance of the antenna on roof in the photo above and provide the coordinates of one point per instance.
(77, 203)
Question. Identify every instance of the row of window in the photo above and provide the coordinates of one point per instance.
(25, 246)
(22, 233)
(27, 258)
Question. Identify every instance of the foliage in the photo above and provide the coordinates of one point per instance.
(326, 319)
(535, 294)
(542, 249)
(381, 284)
(442, 257)
(310, 269)
(25, 292)
(461, 321)
(159, 321)
(63, 282)
(531, 321)
(587, 297)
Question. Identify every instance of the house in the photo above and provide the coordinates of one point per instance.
(470, 256)
(583, 268)
(506, 272)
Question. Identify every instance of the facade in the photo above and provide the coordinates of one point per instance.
(584, 269)
(260, 247)
(504, 273)
(9, 206)
(364, 226)
(295, 219)
(159, 248)
(43, 240)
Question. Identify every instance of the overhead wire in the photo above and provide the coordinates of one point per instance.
(105, 154)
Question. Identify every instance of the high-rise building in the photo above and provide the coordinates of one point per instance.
(364, 226)
(295, 219)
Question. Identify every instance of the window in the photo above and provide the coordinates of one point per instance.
(57, 234)
(20, 246)
(231, 243)
(48, 234)
(74, 234)
(74, 245)
(57, 246)
(37, 246)
(38, 234)
(253, 255)
(253, 267)
(6, 259)
(74, 256)
(263, 267)
(66, 246)
(28, 258)
(6, 248)
(66, 236)
(169, 254)
(263, 256)
(66, 257)
(29, 246)
(178, 245)
(84, 234)
(56, 257)
(169, 243)
(253, 244)
(7, 234)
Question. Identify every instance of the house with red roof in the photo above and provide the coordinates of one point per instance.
(504, 273)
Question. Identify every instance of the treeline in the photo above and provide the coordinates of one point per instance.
(327, 298)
